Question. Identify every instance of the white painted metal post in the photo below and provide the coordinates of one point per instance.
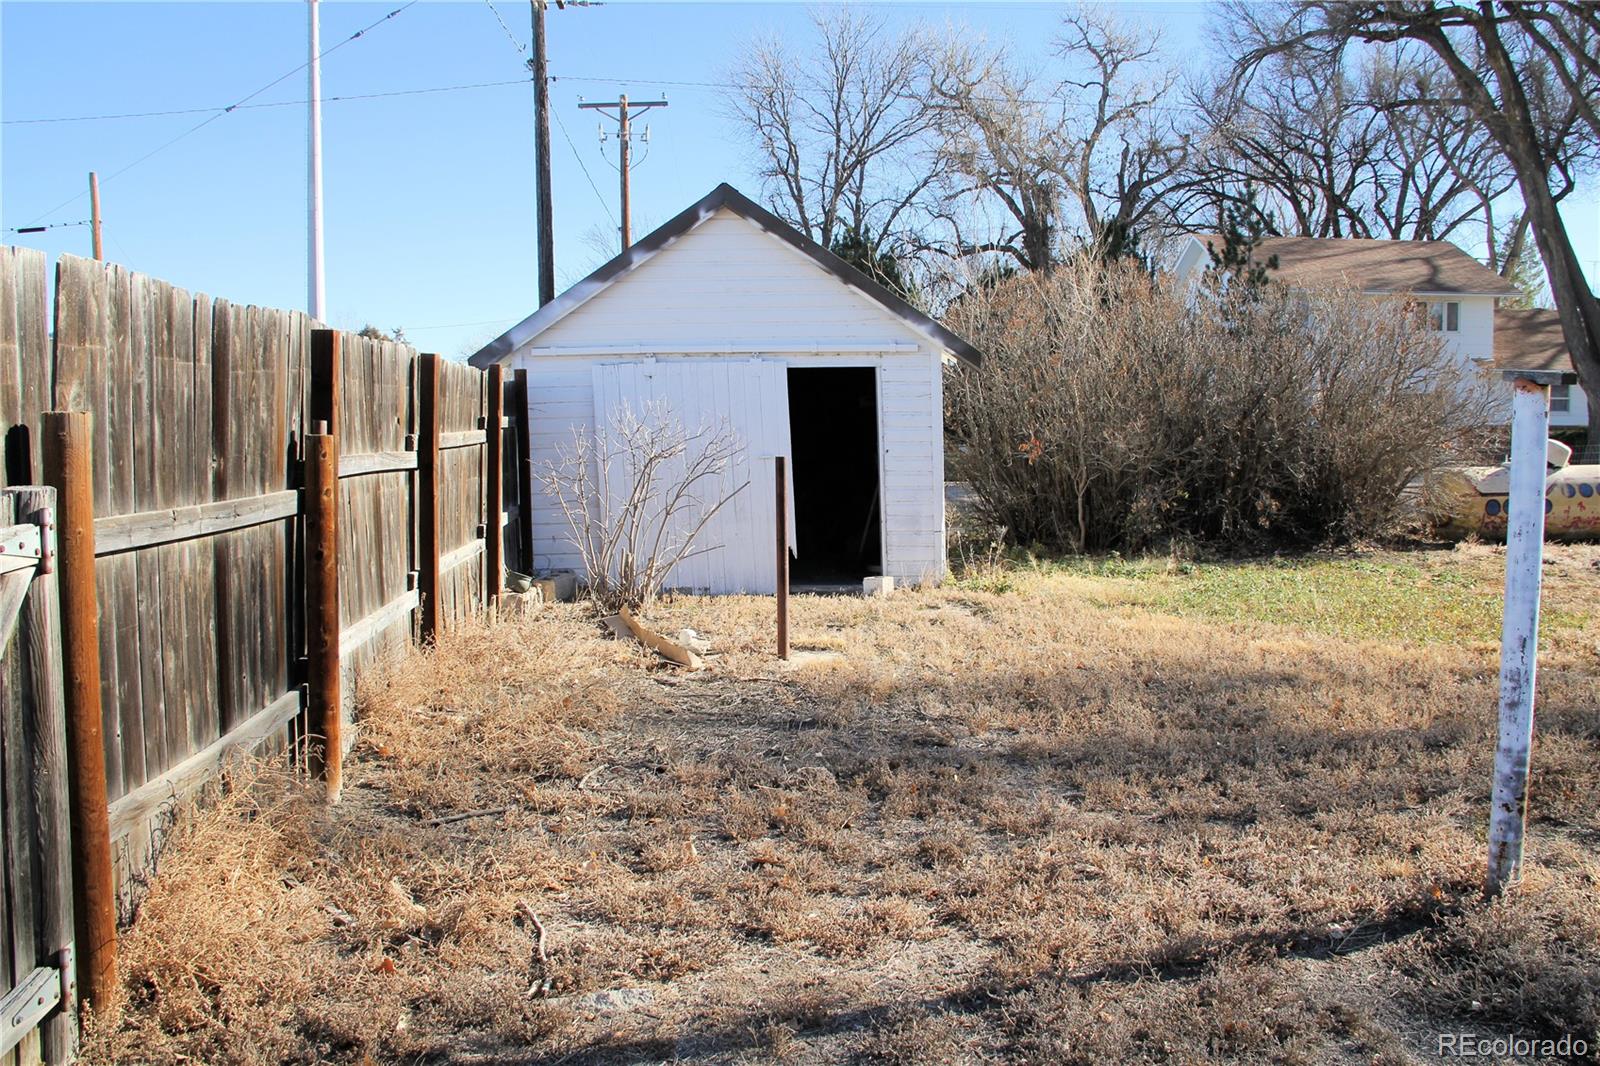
(317, 295)
(1519, 642)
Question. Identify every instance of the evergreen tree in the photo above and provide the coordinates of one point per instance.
(1242, 225)
(856, 248)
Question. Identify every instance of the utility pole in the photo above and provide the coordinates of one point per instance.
(624, 119)
(541, 150)
(94, 213)
(318, 294)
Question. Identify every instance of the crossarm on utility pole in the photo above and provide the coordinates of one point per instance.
(625, 109)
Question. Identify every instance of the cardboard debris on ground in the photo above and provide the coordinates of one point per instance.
(624, 624)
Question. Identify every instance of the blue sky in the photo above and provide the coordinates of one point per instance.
(429, 196)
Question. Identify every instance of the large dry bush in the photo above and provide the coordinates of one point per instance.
(1112, 412)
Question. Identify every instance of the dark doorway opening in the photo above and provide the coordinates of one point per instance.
(833, 432)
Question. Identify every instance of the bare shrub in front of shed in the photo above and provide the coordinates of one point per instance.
(1112, 413)
(636, 494)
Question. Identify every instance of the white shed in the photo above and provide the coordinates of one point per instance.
(728, 313)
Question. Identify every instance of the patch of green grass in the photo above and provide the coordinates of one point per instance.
(1353, 598)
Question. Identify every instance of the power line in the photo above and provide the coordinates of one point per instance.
(197, 127)
(52, 225)
(275, 103)
(648, 81)
(583, 166)
(518, 45)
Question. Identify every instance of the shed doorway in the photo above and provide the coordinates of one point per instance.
(833, 431)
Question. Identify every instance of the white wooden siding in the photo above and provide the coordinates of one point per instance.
(1576, 415)
(728, 283)
(749, 399)
(1473, 342)
(911, 441)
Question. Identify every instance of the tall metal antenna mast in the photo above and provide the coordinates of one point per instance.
(318, 294)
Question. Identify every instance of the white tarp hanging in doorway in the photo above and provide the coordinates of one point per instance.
(751, 399)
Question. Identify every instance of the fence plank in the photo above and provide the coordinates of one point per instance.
(44, 727)
(24, 361)
(15, 772)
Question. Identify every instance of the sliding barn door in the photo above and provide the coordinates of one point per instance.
(747, 398)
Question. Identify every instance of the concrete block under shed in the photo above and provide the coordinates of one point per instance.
(877, 586)
(558, 588)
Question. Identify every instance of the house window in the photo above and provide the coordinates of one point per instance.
(1445, 316)
(1560, 397)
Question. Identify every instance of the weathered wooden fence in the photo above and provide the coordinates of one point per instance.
(37, 970)
(202, 413)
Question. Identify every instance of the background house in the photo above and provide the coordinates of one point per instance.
(1531, 339)
(728, 313)
(1460, 292)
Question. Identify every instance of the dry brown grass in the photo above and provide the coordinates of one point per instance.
(1045, 825)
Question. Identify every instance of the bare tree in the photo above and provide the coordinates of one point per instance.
(636, 494)
(1002, 135)
(1129, 146)
(837, 131)
(1528, 72)
(1336, 152)
(1088, 152)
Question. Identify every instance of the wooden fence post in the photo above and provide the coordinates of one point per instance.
(1519, 641)
(524, 423)
(428, 577)
(68, 458)
(324, 713)
(494, 491)
(40, 645)
(781, 481)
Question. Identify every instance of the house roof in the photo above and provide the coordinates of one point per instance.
(1377, 266)
(1530, 339)
(723, 196)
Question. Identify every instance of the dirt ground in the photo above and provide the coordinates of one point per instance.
(1083, 813)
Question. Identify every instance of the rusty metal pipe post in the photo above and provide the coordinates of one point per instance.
(429, 582)
(68, 468)
(494, 494)
(780, 479)
(323, 714)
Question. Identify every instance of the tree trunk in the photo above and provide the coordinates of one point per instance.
(1575, 301)
(1510, 120)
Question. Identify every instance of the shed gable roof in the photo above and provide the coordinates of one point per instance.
(724, 196)
(1377, 266)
